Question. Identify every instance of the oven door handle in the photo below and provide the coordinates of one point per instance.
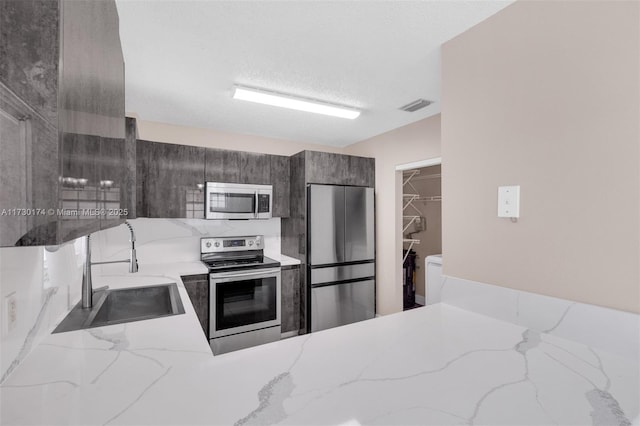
(242, 274)
(255, 205)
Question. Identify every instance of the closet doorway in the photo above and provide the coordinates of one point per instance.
(421, 229)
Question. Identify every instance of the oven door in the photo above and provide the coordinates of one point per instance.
(237, 201)
(243, 301)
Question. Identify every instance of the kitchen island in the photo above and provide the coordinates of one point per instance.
(435, 365)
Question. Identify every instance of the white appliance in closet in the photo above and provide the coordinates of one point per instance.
(433, 278)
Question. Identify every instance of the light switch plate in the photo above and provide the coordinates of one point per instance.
(509, 201)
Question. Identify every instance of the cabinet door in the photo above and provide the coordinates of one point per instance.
(28, 174)
(338, 169)
(91, 97)
(29, 160)
(222, 166)
(255, 168)
(175, 178)
(129, 191)
(143, 151)
(80, 193)
(280, 180)
(361, 171)
(112, 192)
(290, 299)
(325, 167)
(30, 46)
(197, 287)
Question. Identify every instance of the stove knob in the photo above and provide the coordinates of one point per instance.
(250, 242)
(217, 244)
(208, 244)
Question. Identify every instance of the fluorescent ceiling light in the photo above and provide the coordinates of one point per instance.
(286, 101)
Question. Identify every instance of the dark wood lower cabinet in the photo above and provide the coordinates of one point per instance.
(197, 287)
(290, 309)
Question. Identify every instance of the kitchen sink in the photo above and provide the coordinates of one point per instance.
(124, 305)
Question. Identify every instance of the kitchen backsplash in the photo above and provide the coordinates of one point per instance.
(45, 284)
(174, 240)
(45, 281)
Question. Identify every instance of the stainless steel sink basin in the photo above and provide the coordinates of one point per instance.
(124, 305)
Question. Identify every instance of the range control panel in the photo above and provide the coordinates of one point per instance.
(223, 244)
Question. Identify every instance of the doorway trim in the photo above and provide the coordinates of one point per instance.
(398, 233)
(419, 164)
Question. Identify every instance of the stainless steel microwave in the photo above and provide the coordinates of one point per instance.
(237, 201)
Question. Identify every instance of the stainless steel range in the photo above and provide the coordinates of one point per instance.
(244, 293)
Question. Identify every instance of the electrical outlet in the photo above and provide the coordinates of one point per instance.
(11, 309)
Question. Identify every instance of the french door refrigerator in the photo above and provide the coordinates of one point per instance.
(341, 284)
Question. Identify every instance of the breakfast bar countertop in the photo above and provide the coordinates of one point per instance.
(435, 365)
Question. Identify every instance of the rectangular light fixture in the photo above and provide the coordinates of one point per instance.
(291, 102)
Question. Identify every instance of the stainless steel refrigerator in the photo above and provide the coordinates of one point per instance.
(341, 266)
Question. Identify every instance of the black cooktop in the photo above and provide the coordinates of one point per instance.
(224, 265)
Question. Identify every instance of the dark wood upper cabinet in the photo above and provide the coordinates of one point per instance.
(280, 181)
(338, 169)
(251, 168)
(361, 171)
(172, 177)
(143, 148)
(255, 168)
(62, 97)
(325, 167)
(30, 51)
(222, 165)
(91, 112)
(167, 176)
(129, 189)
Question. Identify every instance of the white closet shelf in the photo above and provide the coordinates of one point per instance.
(411, 243)
(431, 198)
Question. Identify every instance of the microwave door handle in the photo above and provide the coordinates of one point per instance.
(255, 204)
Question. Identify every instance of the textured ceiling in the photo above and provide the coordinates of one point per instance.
(183, 57)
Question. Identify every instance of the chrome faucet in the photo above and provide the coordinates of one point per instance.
(87, 284)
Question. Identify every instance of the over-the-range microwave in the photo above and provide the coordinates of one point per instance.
(237, 201)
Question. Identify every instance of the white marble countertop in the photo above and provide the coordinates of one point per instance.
(430, 366)
(283, 259)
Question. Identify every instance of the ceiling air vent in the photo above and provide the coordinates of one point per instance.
(416, 105)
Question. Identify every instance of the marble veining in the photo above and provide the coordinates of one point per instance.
(28, 341)
(270, 412)
(606, 410)
(437, 365)
(598, 327)
(109, 421)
